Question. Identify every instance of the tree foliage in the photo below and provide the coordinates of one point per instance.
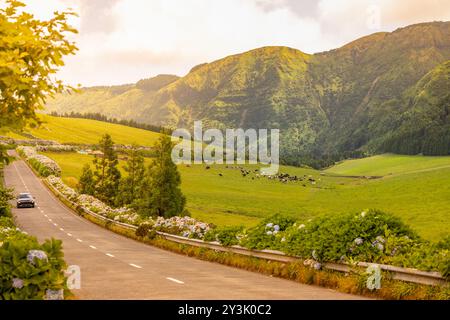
(86, 185)
(162, 195)
(31, 53)
(106, 174)
(131, 186)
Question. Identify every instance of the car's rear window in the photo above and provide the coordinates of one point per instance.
(24, 196)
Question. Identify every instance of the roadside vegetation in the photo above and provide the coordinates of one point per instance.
(353, 282)
(151, 191)
(29, 269)
(371, 236)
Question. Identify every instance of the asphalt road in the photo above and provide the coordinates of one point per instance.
(115, 267)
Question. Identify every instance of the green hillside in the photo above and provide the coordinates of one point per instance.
(327, 105)
(389, 164)
(425, 126)
(69, 130)
(125, 102)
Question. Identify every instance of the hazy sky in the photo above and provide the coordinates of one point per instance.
(122, 41)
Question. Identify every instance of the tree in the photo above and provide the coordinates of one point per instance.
(86, 185)
(31, 53)
(131, 186)
(5, 196)
(107, 175)
(162, 195)
(4, 158)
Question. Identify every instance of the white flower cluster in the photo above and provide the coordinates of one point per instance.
(91, 203)
(31, 153)
(184, 226)
(68, 192)
(55, 148)
(36, 254)
(272, 229)
(7, 232)
(313, 264)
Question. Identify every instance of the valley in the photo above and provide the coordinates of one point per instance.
(415, 188)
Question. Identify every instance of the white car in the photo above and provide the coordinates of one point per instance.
(25, 200)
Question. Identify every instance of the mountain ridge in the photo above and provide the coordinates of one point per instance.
(343, 101)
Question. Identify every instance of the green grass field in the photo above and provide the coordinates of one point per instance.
(389, 164)
(418, 192)
(415, 188)
(67, 130)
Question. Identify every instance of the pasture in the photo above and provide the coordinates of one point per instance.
(84, 131)
(418, 192)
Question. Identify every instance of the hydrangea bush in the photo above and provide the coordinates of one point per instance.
(268, 234)
(91, 203)
(371, 236)
(183, 226)
(227, 236)
(28, 269)
(42, 164)
(56, 148)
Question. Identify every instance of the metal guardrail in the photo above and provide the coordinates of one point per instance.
(397, 273)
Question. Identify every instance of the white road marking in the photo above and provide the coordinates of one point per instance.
(55, 224)
(61, 229)
(135, 265)
(50, 220)
(69, 234)
(175, 280)
(92, 247)
(109, 255)
(79, 240)
(20, 176)
(45, 215)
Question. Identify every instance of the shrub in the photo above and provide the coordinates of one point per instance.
(5, 196)
(152, 234)
(183, 226)
(42, 164)
(29, 270)
(143, 229)
(267, 234)
(6, 222)
(335, 238)
(226, 236)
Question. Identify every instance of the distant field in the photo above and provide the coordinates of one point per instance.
(389, 164)
(418, 192)
(69, 130)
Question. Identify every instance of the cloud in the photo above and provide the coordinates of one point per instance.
(305, 8)
(413, 11)
(97, 16)
(124, 40)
